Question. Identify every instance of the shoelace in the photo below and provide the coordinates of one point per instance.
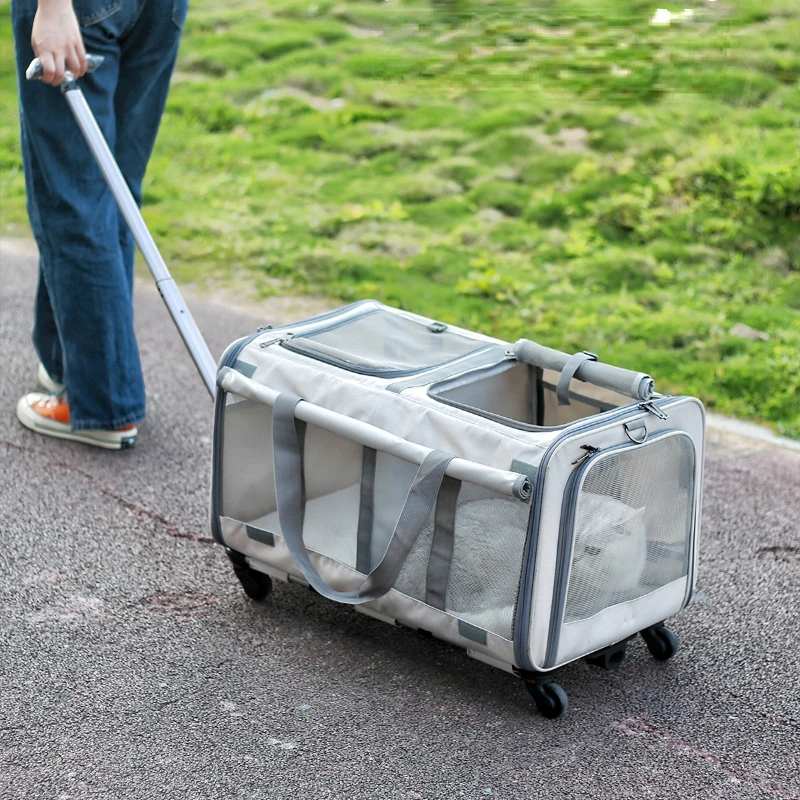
(53, 399)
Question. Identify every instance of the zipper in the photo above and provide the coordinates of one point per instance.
(522, 617)
(590, 451)
(650, 406)
(566, 523)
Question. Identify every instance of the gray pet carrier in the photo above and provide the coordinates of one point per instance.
(527, 505)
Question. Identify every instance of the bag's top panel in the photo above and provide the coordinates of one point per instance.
(383, 343)
(371, 339)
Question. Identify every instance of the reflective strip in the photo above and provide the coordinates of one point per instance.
(248, 370)
(257, 535)
(472, 632)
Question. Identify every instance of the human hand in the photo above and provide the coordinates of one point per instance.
(56, 40)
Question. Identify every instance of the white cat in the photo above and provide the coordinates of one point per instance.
(487, 561)
(608, 557)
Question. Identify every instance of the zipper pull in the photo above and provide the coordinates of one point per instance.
(590, 451)
(653, 409)
(283, 338)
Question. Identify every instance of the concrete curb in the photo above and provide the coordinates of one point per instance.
(749, 430)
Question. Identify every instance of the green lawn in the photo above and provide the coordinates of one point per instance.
(564, 171)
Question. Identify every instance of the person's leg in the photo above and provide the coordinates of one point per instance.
(78, 227)
(148, 57)
(45, 333)
(46, 338)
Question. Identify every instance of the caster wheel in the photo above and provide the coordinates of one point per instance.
(609, 659)
(661, 642)
(551, 700)
(256, 585)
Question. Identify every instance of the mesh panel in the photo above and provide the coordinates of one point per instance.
(383, 342)
(487, 560)
(632, 525)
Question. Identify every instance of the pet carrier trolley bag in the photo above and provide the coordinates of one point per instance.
(529, 506)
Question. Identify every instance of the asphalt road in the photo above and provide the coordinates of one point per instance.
(132, 665)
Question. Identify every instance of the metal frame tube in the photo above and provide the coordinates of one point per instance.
(511, 484)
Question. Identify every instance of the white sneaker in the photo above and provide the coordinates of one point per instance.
(47, 382)
(49, 414)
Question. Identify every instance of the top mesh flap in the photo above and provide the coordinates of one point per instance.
(381, 342)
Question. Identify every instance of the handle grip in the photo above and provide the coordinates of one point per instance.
(34, 71)
(585, 367)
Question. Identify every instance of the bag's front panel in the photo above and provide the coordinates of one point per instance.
(616, 532)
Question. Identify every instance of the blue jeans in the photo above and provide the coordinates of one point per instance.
(83, 329)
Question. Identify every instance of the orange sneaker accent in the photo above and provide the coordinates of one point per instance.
(56, 408)
(53, 407)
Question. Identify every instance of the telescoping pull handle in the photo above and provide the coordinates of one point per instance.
(187, 327)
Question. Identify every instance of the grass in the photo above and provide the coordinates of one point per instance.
(564, 171)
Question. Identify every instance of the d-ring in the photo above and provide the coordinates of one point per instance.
(632, 438)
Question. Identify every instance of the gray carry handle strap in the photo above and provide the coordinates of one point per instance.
(568, 373)
(290, 493)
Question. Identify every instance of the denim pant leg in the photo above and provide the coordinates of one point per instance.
(45, 332)
(86, 268)
(149, 51)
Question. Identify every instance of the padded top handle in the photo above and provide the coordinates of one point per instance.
(585, 367)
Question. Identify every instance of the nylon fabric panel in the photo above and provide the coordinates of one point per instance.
(506, 393)
(248, 484)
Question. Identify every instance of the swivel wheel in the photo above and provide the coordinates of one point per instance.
(256, 584)
(609, 658)
(661, 642)
(550, 699)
